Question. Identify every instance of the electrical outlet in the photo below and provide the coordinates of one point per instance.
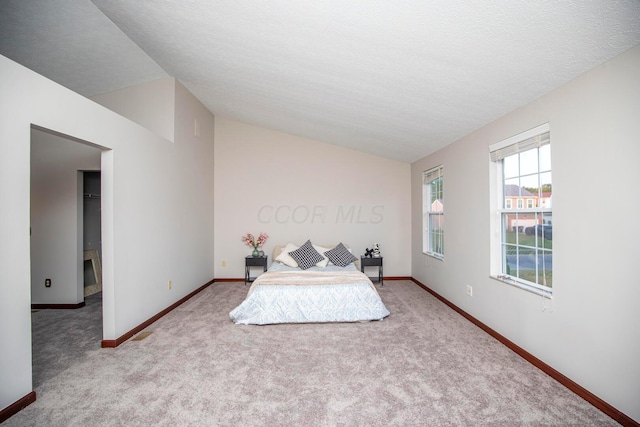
(469, 290)
(169, 284)
(47, 283)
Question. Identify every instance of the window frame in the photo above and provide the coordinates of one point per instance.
(429, 247)
(532, 139)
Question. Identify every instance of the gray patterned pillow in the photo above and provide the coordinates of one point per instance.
(340, 256)
(306, 256)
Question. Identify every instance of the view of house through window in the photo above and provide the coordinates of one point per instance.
(433, 212)
(526, 228)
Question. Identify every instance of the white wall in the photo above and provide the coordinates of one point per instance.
(296, 189)
(589, 331)
(151, 105)
(148, 188)
(55, 222)
(171, 201)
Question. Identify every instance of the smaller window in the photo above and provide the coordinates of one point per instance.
(520, 204)
(433, 212)
(530, 203)
(508, 204)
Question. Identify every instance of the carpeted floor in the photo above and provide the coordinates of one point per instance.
(423, 365)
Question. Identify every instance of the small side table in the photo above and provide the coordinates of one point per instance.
(372, 262)
(253, 261)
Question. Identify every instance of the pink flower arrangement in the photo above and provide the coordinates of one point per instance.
(249, 240)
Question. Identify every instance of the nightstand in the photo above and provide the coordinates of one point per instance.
(253, 261)
(372, 262)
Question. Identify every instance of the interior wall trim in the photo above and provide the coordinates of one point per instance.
(17, 406)
(603, 406)
(143, 325)
(57, 306)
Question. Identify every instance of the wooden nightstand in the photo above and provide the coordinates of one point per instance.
(253, 261)
(372, 262)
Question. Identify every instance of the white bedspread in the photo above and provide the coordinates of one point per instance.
(297, 296)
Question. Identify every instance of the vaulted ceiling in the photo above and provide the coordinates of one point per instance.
(395, 79)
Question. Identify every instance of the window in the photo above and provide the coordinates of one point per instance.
(523, 252)
(433, 212)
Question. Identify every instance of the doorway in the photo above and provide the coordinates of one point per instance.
(57, 173)
(91, 232)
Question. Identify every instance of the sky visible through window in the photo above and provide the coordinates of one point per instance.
(530, 170)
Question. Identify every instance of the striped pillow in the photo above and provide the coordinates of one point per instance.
(306, 256)
(340, 256)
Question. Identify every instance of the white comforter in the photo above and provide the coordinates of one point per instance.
(332, 294)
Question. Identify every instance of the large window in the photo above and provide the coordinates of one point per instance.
(433, 212)
(524, 252)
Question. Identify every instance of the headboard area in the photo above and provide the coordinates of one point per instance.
(277, 251)
(279, 248)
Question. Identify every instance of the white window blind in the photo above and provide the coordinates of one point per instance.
(431, 175)
(534, 138)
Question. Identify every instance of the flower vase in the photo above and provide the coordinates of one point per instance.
(255, 252)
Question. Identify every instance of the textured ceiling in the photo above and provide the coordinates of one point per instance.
(396, 79)
(72, 43)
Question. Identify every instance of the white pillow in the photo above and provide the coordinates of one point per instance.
(284, 256)
(321, 251)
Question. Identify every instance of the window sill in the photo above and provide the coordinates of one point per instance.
(434, 255)
(513, 282)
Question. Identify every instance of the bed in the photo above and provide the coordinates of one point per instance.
(331, 289)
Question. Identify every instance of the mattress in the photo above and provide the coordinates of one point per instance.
(319, 294)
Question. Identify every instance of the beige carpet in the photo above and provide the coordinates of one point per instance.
(424, 365)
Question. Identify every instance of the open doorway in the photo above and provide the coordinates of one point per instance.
(63, 326)
(91, 232)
